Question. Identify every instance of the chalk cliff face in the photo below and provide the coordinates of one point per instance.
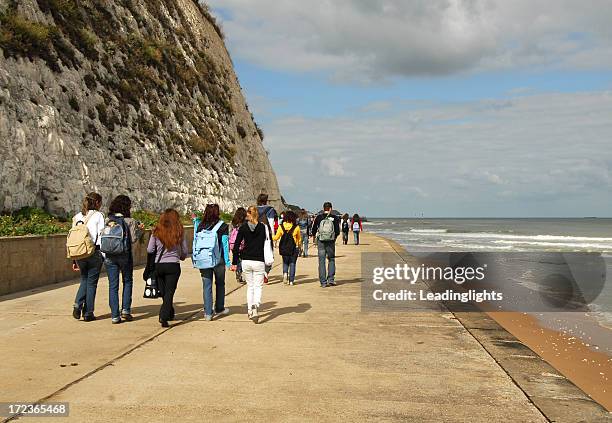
(129, 96)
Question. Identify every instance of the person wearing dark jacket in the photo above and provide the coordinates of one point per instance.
(325, 230)
(209, 221)
(254, 234)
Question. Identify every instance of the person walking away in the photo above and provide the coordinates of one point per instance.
(304, 223)
(116, 240)
(89, 267)
(211, 256)
(356, 227)
(345, 228)
(290, 237)
(237, 221)
(268, 215)
(254, 234)
(325, 230)
(170, 247)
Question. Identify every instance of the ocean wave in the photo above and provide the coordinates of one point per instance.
(557, 244)
(601, 314)
(428, 231)
(506, 236)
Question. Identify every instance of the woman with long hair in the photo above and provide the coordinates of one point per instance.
(356, 227)
(170, 247)
(290, 239)
(209, 222)
(237, 221)
(254, 234)
(91, 266)
(119, 213)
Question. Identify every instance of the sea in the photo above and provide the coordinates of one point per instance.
(532, 237)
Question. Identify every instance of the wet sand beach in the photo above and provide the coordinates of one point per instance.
(589, 368)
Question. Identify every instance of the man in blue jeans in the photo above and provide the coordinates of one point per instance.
(325, 230)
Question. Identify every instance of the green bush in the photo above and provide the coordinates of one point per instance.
(146, 217)
(36, 221)
(20, 36)
(31, 221)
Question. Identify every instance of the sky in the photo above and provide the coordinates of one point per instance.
(440, 108)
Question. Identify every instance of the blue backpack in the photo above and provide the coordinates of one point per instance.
(206, 251)
(115, 238)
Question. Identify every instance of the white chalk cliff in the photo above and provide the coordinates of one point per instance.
(123, 97)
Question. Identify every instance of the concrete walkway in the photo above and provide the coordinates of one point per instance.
(314, 357)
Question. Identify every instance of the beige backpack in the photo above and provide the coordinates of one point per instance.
(79, 244)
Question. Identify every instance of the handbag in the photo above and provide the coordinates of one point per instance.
(151, 290)
(268, 250)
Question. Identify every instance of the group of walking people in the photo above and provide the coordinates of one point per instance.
(354, 225)
(104, 241)
(246, 246)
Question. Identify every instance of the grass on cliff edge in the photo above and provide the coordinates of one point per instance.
(36, 221)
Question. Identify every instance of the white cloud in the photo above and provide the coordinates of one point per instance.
(378, 39)
(333, 166)
(539, 154)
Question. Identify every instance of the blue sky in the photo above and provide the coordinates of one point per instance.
(442, 108)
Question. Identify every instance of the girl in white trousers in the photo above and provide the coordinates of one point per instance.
(254, 272)
(255, 236)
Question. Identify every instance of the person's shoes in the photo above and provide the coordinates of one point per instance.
(285, 278)
(208, 317)
(76, 313)
(164, 323)
(291, 283)
(89, 318)
(323, 285)
(116, 320)
(331, 283)
(254, 315)
(223, 312)
(127, 317)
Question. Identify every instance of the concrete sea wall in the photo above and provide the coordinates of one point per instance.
(29, 262)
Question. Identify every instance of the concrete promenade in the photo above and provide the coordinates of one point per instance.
(314, 357)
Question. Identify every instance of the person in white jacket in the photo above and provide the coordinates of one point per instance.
(89, 267)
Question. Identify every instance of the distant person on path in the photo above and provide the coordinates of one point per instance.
(254, 234)
(356, 227)
(304, 222)
(119, 258)
(170, 247)
(325, 230)
(268, 215)
(211, 222)
(237, 221)
(345, 228)
(91, 266)
(288, 247)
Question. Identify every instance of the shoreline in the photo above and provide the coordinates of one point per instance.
(572, 357)
(590, 370)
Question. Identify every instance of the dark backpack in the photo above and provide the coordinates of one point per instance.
(115, 237)
(345, 226)
(286, 246)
